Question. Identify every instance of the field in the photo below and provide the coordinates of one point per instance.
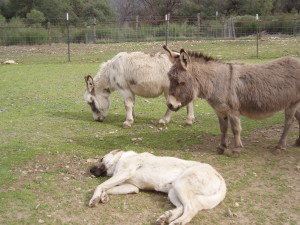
(48, 142)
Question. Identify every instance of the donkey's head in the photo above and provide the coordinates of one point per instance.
(97, 99)
(182, 84)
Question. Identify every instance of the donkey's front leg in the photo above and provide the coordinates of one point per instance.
(129, 100)
(223, 122)
(190, 114)
(166, 119)
(236, 130)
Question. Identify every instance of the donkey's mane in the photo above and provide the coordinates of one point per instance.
(201, 55)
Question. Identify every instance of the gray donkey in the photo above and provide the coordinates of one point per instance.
(256, 91)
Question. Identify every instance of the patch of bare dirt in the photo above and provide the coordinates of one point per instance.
(262, 188)
(259, 183)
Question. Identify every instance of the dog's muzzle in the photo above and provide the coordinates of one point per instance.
(99, 171)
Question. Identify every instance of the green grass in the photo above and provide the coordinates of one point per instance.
(44, 122)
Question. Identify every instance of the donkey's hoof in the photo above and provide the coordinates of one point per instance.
(220, 150)
(297, 142)
(277, 151)
(162, 122)
(236, 154)
(188, 124)
(126, 124)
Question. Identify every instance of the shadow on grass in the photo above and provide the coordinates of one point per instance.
(113, 119)
(83, 116)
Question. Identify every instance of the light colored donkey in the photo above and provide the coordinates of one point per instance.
(131, 74)
(234, 89)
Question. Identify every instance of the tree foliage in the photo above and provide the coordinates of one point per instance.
(98, 9)
(55, 10)
(35, 17)
(103, 10)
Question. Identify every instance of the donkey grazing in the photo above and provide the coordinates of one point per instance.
(134, 73)
(234, 89)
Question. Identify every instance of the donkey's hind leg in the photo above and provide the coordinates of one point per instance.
(289, 116)
(297, 115)
(223, 122)
(236, 128)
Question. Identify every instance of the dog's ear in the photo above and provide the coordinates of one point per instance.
(116, 155)
(114, 152)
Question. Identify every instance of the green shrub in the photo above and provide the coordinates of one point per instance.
(78, 36)
(245, 25)
(35, 17)
(23, 36)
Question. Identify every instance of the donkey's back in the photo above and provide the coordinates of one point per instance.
(144, 74)
(263, 89)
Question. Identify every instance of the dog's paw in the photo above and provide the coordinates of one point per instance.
(104, 197)
(160, 221)
(164, 219)
(94, 201)
(176, 223)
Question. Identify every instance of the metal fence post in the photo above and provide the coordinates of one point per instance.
(137, 28)
(198, 25)
(257, 34)
(94, 30)
(167, 19)
(86, 33)
(68, 32)
(49, 33)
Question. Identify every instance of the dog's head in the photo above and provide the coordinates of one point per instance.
(107, 165)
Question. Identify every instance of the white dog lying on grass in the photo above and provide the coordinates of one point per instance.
(191, 186)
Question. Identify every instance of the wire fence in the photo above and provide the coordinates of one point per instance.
(140, 29)
(232, 38)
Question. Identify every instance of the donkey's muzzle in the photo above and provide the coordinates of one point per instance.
(99, 119)
(171, 107)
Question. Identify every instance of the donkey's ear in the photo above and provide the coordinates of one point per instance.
(89, 83)
(172, 54)
(185, 60)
